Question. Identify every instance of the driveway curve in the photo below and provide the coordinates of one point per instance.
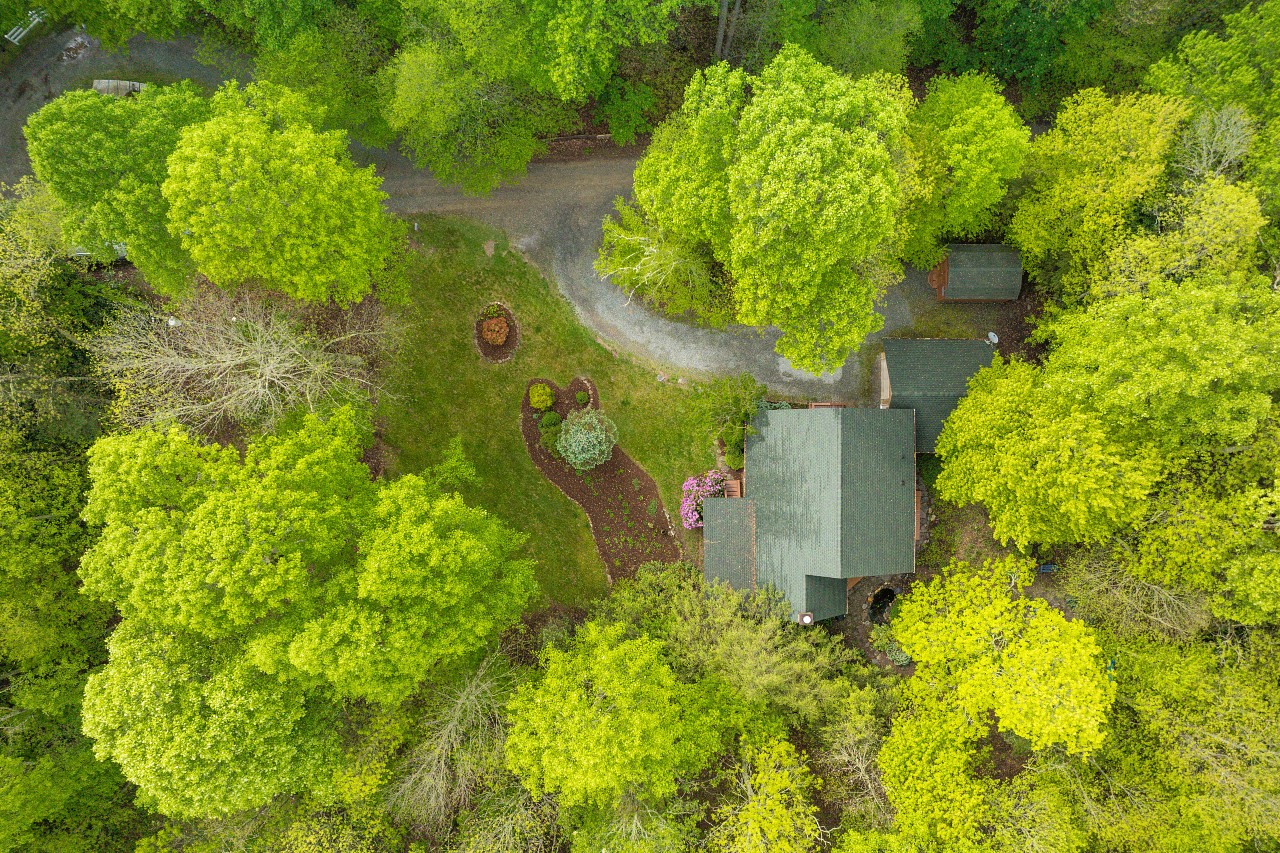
(552, 215)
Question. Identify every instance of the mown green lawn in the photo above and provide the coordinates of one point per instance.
(438, 386)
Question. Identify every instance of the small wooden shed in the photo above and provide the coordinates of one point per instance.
(978, 273)
(119, 88)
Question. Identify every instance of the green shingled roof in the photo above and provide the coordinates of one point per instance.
(729, 541)
(833, 494)
(983, 272)
(931, 376)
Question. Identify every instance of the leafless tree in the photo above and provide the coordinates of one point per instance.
(460, 753)
(1215, 143)
(847, 759)
(1103, 590)
(509, 820)
(222, 360)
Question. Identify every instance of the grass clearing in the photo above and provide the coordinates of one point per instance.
(438, 386)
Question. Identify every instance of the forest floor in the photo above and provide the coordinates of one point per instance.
(439, 386)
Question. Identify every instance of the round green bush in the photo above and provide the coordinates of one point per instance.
(541, 396)
(587, 439)
(583, 398)
(549, 420)
(548, 440)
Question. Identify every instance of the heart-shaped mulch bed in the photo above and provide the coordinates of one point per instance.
(497, 334)
(628, 521)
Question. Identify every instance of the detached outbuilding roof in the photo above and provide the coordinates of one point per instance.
(931, 376)
(985, 272)
(832, 495)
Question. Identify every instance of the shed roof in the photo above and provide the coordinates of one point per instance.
(931, 376)
(983, 272)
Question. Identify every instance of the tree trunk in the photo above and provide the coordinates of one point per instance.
(733, 25)
(724, 14)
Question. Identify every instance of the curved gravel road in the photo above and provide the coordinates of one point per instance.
(553, 216)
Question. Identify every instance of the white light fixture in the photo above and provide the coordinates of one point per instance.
(805, 619)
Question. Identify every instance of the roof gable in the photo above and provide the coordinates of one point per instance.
(931, 376)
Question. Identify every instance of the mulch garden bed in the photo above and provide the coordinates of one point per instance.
(497, 353)
(630, 525)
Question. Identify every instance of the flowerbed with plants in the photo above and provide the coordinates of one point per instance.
(574, 444)
(496, 333)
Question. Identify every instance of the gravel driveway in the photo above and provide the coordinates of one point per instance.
(553, 216)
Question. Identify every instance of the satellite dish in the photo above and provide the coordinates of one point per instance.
(993, 338)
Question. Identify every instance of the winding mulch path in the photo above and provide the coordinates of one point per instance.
(497, 355)
(630, 525)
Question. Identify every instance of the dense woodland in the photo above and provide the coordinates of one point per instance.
(235, 618)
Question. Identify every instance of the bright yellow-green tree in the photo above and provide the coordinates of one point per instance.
(969, 145)
(1089, 176)
(1007, 657)
(608, 718)
(771, 809)
(256, 590)
(256, 195)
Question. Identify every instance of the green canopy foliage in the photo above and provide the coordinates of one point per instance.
(468, 127)
(1014, 658)
(771, 811)
(970, 145)
(795, 193)
(608, 717)
(104, 159)
(287, 573)
(1048, 471)
(1089, 175)
(256, 197)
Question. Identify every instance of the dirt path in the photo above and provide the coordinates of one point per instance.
(553, 216)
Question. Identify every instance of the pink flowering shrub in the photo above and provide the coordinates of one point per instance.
(708, 485)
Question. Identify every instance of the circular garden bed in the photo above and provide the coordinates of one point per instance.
(497, 334)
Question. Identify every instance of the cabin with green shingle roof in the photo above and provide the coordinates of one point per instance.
(930, 376)
(978, 273)
(830, 496)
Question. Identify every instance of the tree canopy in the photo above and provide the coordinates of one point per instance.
(1089, 173)
(289, 567)
(279, 205)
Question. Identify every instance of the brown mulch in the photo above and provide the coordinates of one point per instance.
(1004, 761)
(497, 355)
(1018, 324)
(630, 525)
